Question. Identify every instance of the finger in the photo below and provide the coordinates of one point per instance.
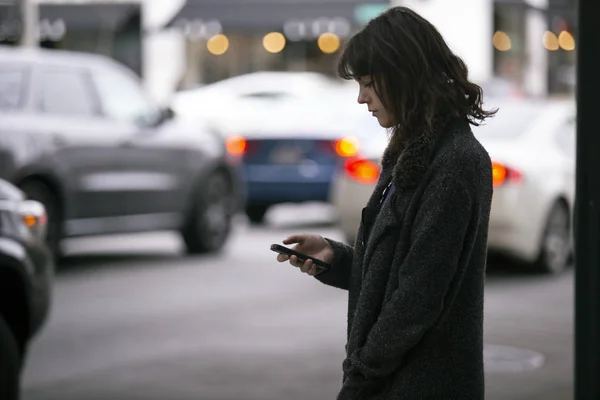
(282, 257)
(297, 263)
(294, 261)
(294, 239)
(312, 271)
(306, 266)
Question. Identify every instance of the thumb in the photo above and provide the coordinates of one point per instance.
(294, 239)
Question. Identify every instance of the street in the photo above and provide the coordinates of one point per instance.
(133, 318)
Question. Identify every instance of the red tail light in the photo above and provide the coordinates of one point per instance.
(503, 174)
(346, 147)
(236, 145)
(362, 171)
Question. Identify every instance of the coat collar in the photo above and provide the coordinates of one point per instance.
(412, 161)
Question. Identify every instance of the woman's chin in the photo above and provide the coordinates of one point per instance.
(384, 124)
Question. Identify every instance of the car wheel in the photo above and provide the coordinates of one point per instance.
(209, 224)
(10, 363)
(38, 191)
(555, 249)
(256, 213)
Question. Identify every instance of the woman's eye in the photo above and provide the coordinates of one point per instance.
(369, 84)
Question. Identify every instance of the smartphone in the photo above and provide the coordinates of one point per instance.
(321, 266)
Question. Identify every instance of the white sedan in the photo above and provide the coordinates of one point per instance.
(532, 146)
(232, 98)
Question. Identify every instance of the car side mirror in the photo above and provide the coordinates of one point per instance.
(168, 113)
(163, 115)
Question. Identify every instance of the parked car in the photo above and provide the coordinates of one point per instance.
(502, 88)
(26, 271)
(289, 149)
(79, 134)
(532, 145)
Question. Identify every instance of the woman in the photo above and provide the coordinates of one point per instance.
(416, 273)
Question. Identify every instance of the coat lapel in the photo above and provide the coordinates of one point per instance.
(406, 171)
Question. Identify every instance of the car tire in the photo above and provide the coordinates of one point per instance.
(555, 247)
(256, 213)
(39, 191)
(10, 363)
(209, 222)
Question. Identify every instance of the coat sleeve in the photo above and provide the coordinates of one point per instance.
(339, 275)
(437, 240)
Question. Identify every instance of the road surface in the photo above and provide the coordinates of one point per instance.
(133, 319)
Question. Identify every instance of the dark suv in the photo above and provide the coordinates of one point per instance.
(78, 134)
(26, 272)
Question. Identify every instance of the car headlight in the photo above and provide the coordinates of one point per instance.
(33, 215)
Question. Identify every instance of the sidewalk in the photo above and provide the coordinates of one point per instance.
(535, 314)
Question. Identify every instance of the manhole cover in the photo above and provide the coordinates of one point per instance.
(510, 359)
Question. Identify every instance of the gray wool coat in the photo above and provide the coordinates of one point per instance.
(415, 304)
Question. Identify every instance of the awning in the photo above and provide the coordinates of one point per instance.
(106, 16)
(60, 18)
(89, 16)
(268, 15)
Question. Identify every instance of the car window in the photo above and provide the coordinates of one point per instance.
(65, 92)
(12, 87)
(123, 99)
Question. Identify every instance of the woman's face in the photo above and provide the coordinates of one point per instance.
(368, 96)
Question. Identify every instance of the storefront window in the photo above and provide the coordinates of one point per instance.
(561, 78)
(509, 60)
(114, 31)
(10, 24)
(247, 53)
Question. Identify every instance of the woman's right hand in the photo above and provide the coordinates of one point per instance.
(313, 245)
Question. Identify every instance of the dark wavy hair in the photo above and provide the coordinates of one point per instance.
(417, 77)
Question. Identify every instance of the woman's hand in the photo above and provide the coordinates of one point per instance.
(313, 245)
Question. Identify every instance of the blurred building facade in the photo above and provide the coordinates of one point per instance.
(10, 20)
(129, 31)
(266, 35)
(534, 45)
(526, 44)
(111, 28)
(186, 43)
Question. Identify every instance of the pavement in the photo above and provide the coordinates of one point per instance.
(135, 319)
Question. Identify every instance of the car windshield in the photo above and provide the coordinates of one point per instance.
(511, 121)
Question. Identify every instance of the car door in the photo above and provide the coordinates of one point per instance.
(83, 148)
(566, 136)
(152, 169)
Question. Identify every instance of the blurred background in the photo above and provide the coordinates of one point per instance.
(151, 151)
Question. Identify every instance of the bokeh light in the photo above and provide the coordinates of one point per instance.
(550, 41)
(566, 41)
(218, 44)
(328, 42)
(501, 41)
(274, 42)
